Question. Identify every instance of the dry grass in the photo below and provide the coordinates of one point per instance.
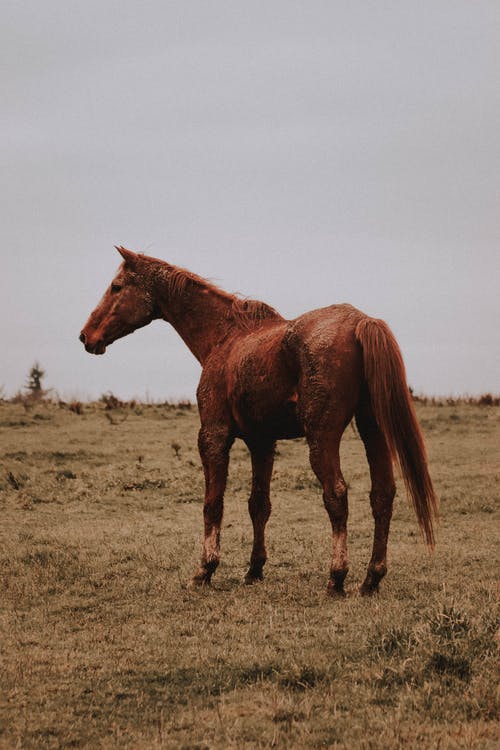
(103, 646)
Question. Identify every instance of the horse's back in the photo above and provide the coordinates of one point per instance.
(326, 323)
(324, 334)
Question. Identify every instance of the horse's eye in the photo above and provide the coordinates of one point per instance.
(116, 288)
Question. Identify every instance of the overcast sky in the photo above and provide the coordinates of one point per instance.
(303, 153)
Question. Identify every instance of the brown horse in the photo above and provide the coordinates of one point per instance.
(265, 379)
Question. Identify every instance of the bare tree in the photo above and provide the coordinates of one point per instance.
(34, 384)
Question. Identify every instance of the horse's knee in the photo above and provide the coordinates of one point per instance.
(335, 492)
(335, 500)
(214, 445)
(381, 500)
(259, 506)
(213, 511)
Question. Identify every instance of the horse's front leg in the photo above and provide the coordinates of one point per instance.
(214, 446)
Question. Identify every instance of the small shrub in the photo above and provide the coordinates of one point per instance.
(110, 401)
(76, 407)
(394, 641)
(488, 400)
(454, 666)
(14, 482)
(304, 678)
(450, 623)
(185, 404)
(34, 383)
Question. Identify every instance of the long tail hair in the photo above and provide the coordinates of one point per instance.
(393, 409)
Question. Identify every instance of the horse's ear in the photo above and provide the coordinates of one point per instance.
(128, 256)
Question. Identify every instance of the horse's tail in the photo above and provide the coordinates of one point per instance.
(393, 409)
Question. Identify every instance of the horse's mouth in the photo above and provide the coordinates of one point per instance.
(98, 348)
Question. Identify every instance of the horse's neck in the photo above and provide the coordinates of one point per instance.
(200, 315)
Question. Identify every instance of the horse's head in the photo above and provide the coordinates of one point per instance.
(127, 305)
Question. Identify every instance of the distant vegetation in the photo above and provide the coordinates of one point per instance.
(485, 399)
(34, 383)
(34, 392)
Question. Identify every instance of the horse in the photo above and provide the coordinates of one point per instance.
(265, 379)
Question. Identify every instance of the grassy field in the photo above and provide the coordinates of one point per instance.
(103, 645)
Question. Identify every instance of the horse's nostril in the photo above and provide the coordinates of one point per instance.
(82, 338)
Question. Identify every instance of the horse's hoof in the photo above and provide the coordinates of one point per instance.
(368, 590)
(335, 592)
(251, 578)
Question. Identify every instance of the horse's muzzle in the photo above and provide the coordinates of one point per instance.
(94, 347)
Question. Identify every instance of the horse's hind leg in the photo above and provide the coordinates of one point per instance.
(382, 494)
(325, 461)
(259, 505)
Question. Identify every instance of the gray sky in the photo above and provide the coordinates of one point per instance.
(303, 153)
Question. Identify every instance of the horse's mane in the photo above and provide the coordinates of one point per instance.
(250, 313)
(246, 313)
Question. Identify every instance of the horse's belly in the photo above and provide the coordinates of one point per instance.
(278, 424)
(268, 406)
